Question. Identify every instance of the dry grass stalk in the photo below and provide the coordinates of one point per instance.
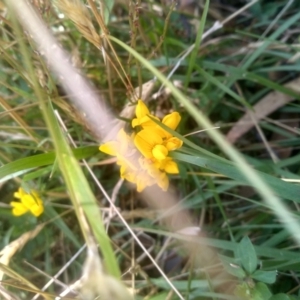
(10, 250)
(79, 14)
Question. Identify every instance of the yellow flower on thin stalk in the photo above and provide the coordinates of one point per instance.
(151, 163)
(28, 202)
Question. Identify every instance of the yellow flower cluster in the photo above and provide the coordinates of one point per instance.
(29, 202)
(151, 163)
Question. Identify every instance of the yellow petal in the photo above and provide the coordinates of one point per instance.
(144, 122)
(37, 209)
(140, 185)
(141, 109)
(118, 147)
(110, 148)
(160, 152)
(20, 193)
(135, 122)
(172, 120)
(146, 140)
(163, 181)
(143, 180)
(167, 165)
(127, 173)
(142, 116)
(33, 203)
(28, 201)
(18, 208)
(171, 167)
(173, 143)
(123, 137)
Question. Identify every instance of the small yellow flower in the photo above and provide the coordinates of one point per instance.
(29, 202)
(150, 144)
(142, 116)
(151, 163)
(153, 143)
(135, 169)
(154, 138)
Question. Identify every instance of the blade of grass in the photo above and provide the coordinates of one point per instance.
(238, 73)
(81, 194)
(194, 53)
(222, 86)
(281, 29)
(281, 188)
(25, 164)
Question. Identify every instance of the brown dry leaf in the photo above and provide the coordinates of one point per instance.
(263, 108)
(9, 251)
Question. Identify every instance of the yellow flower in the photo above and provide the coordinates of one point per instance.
(151, 163)
(133, 167)
(28, 202)
(142, 116)
(153, 138)
(150, 144)
(154, 143)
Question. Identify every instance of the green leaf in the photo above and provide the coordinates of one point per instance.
(107, 6)
(261, 292)
(283, 189)
(234, 270)
(59, 222)
(232, 266)
(238, 73)
(246, 253)
(23, 165)
(281, 29)
(280, 296)
(81, 194)
(265, 276)
(195, 51)
(160, 296)
(223, 87)
(243, 291)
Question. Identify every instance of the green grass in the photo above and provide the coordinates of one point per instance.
(97, 232)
